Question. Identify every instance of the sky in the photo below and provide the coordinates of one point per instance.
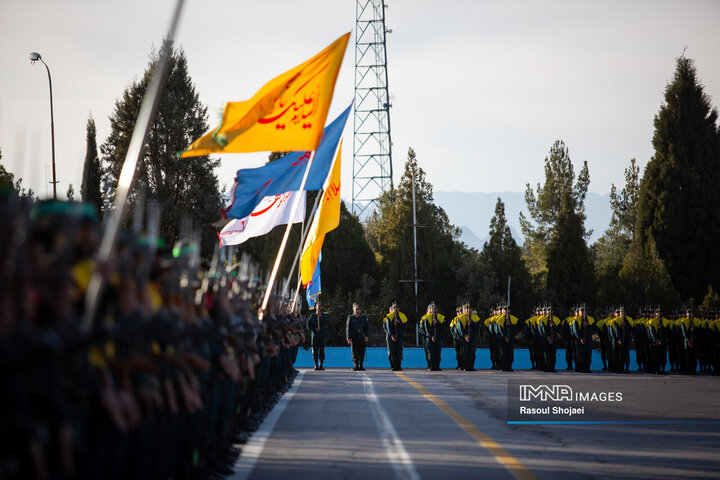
(479, 89)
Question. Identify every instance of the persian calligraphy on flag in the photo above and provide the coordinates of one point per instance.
(326, 219)
(314, 287)
(285, 174)
(288, 113)
(272, 211)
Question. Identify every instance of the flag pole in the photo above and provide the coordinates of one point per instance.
(304, 237)
(134, 152)
(295, 206)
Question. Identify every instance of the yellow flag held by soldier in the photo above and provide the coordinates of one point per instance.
(326, 219)
(287, 114)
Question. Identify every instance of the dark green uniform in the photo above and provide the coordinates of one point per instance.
(357, 329)
(432, 328)
(318, 337)
(394, 327)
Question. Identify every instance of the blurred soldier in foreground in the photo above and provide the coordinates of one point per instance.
(173, 374)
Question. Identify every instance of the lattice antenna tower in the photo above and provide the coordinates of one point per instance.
(372, 146)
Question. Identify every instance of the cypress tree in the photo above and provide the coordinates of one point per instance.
(678, 205)
(92, 175)
(503, 257)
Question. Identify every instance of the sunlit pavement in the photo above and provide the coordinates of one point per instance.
(378, 424)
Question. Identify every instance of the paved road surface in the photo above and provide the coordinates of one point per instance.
(433, 425)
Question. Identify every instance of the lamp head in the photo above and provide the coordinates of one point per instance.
(34, 57)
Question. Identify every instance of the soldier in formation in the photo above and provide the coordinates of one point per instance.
(171, 373)
(457, 343)
(432, 328)
(394, 327)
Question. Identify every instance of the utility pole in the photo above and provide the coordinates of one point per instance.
(415, 280)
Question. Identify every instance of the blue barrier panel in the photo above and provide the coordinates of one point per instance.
(414, 357)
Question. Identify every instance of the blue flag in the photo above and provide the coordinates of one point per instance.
(313, 288)
(285, 174)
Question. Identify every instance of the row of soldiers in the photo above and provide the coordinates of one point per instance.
(685, 341)
(174, 372)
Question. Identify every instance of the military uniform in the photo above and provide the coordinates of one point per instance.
(432, 326)
(493, 335)
(642, 341)
(602, 330)
(570, 353)
(581, 330)
(656, 328)
(357, 330)
(457, 344)
(529, 332)
(318, 337)
(688, 326)
(548, 326)
(472, 324)
(394, 326)
(506, 328)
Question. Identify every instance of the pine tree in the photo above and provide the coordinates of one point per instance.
(92, 175)
(570, 277)
(678, 206)
(544, 206)
(611, 249)
(186, 189)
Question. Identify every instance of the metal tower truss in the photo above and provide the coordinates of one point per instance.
(372, 147)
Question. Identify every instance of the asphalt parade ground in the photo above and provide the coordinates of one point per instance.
(417, 424)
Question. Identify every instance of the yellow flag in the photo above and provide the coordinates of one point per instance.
(326, 219)
(287, 114)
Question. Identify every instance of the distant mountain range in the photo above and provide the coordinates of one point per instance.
(472, 213)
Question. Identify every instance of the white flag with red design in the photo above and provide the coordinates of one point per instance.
(271, 212)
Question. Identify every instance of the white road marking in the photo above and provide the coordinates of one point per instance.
(252, 450)
(398, 456)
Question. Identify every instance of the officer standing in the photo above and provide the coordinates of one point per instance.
(317, 325)
(394, 327)
(357, 332)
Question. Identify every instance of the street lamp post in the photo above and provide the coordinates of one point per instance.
(34, 57)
